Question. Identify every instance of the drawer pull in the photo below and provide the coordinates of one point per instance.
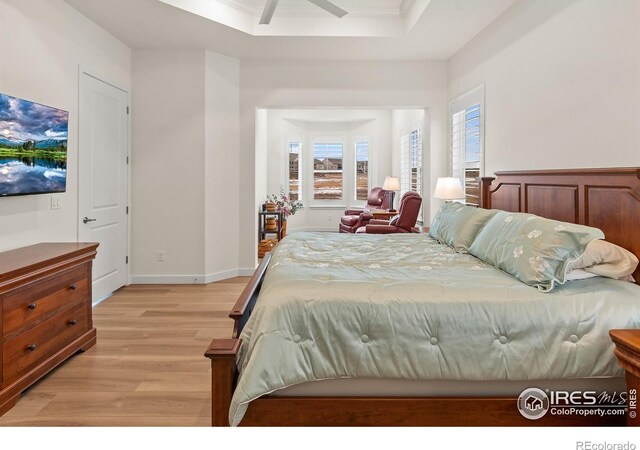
(72, 322)
(73, 287)
(32, 306)
(32, 347)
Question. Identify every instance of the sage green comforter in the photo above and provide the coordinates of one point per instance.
(403, 306)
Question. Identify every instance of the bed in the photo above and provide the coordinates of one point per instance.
(427, 336)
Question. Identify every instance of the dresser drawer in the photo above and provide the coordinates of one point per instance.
(41, 342)
(37, 303)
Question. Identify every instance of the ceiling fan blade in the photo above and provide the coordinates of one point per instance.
(330, 7)
(268, 11)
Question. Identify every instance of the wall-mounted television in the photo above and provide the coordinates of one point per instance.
(33, 147)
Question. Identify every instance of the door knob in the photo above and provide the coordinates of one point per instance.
(87, 220)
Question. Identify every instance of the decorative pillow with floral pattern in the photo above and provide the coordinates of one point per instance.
(535, 250)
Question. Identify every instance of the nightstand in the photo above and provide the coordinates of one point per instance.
(420, 230)
(628, 353)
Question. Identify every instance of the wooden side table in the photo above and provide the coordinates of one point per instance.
(420, 230)
(383, 214)
(628, 353)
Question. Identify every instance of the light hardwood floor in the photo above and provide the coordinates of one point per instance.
(147, 368)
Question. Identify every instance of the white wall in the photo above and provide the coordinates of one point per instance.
(42, 45)
(332, 84)
(307, 125)
(222, 167)
(562, 84)
(168, 139)
(184, 166)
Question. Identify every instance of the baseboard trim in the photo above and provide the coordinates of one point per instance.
(191, 279)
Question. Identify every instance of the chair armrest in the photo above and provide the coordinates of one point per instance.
(366, 215)
(353, 212)
(380, 229)
(378, 222)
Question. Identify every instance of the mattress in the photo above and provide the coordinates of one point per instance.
(386, 387)
(404, 307)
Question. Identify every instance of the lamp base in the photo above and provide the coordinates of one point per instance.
(392, 196)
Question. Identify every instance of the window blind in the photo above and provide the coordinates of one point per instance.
(295, 170)
(411, 162)
(361, 170)
(466, 150)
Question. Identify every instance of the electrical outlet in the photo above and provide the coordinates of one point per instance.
(55, 202)
(160, 255)
(329, 218)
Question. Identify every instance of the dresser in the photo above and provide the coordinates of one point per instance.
(45, 314)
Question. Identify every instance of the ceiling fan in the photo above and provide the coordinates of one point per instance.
(270, 8)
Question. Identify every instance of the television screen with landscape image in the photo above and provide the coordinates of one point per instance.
(33, 147)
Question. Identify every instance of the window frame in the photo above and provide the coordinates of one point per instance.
(405, 185)
(469, 99)
(301, 174)
(309, 159)
(301, 167)
(354, 188)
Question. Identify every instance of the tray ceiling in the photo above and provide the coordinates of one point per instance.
(373, 29)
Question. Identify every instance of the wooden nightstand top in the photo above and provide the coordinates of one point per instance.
(627, 338)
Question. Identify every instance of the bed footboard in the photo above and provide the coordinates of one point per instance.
(222, 353)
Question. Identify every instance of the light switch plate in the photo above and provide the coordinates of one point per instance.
(55, 202)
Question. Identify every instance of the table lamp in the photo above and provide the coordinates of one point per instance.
(391, 185)
(448, 188)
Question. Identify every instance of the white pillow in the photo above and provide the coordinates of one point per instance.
(579, 274)
(605, 259)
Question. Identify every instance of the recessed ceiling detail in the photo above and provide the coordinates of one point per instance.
(365, 18)
(373, 29)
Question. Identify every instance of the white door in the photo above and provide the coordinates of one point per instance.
(103, 180)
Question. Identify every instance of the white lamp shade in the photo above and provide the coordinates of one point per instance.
(391, 184)
(448, 188)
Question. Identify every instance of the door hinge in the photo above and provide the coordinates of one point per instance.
(127, 160)
(127, 110)
(127, 260)
(127, 210)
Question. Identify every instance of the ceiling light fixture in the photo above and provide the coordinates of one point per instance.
(270, 8)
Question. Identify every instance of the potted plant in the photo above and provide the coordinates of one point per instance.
(286, 205)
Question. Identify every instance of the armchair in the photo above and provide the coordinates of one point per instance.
(356, 218)
(407, 217)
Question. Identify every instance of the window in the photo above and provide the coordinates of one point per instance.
(467, 143)
(295, 170)
(411, 162)
(327, 171)
(362, 170)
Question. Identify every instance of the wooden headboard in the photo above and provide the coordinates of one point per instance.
(608, 199)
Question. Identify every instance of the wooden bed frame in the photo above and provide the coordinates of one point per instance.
(608, 199)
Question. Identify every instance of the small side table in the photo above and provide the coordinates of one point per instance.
(420, 230)
(628, 353)
(262, 222)
(383, 214)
